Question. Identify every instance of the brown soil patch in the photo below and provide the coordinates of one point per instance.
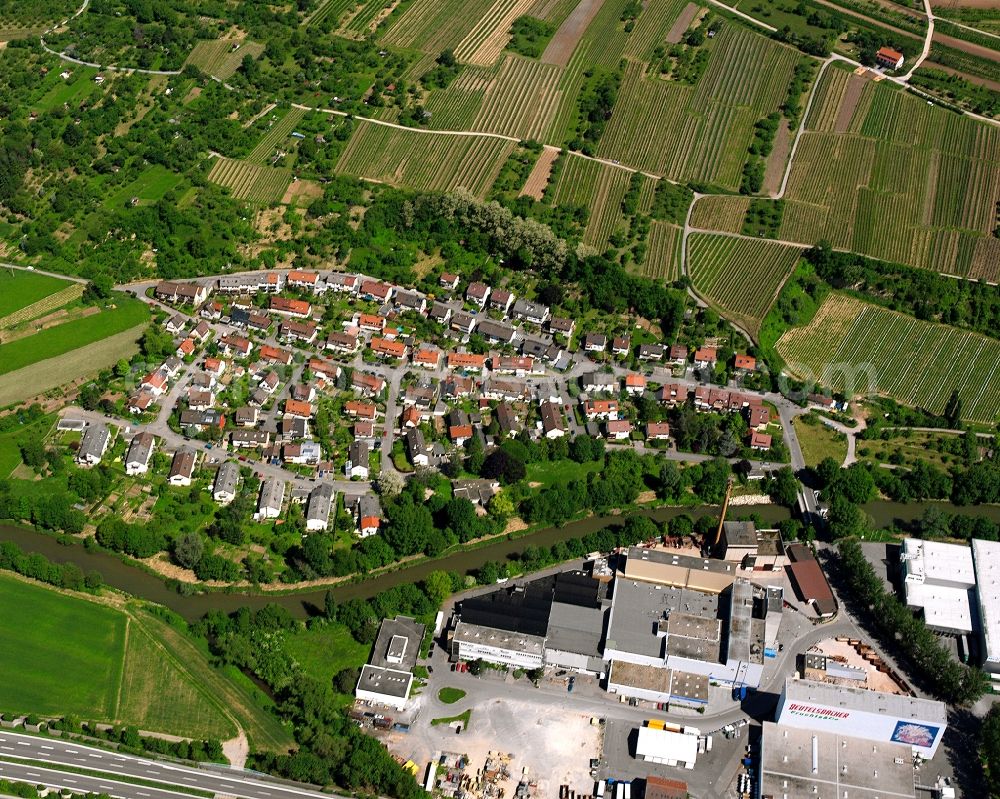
(307, 190)
(967, 47)
(426, 265)
(535, 185)
(514, 525)
(682, 23)
(562, 45)
(964, 4)
(852, 94)
(989, 84)
(272, 226)
(193, 94)
(775, 169)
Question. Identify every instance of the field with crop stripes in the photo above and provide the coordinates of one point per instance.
(741, 277)
(278, 132)
(886, 174)
(663, 255)
(487, 39)
(424, 161)
(73, 291)
(331, 12)
(722, 213)
(218, 57)
(435, 25)
(253, 182)
(861, 348)
(598, 187)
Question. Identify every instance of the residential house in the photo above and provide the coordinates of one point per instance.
(360, 410)
(416, 447)
(459, 428)
(202, 332)
(478, 492)
(744, 363)
(304, 453)
(297, 409)
(187, 293)
(496, 332)
(672, 394)
(889, 58)
(619, 429)
(448, 281)
(375, 290)
(477, 293)
(371, 323)
(185, 348)
(651, 352)
(600, 409)
(326, 371)
(507, 419)
(621, 346)
(307, 281)
(202, 420)
(427, 357)
(246, 417)
(303, 392)
(759, 417)
(272, 497)
(357, 460)
(269, 382)
(456, 387)
(301, 332)
(259, 397)
(421, 396)
(561, 326)
(300, 309)
(467, 361)
(533, 312)
(182, 468)
(176, 324)
(519, 366)
(275, 355)
(271, 283)
(440, 313)
(227, 479)
(500, 300)
(364, 431)
(343, 283)
(237, 284)
(678, 355)
(232, 344)
(705, 357)
(368, 385)
(506, 390)
(552, 421)
(215, 366)
(154, 383)
(259, 322)
(171, 366)
(93, 444)
(657, 431)
(410, 417)
(369, 513)
(599, 382)
(319, 507)
(294, 428)
(200, 399)
(139, 453)
(760, 441)
(141, 401)
(387, 348)
(343, 343)
(635, 384)
(411, 301)
(249, 439)
(595, 342)
(463, 322)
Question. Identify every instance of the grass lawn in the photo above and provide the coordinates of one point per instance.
(549, 473)
(450, 695)
(907, 449)
(72, 335)
(819, 441)
(462, 717)
(20, 289)
(10, 454)
(325, 650)
(62, 654)
(149, 187)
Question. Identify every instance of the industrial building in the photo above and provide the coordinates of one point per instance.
(809, 580)
(986, 558)
(939, 580)
(752, 548)
(388, 676)
(669, 747)
(832, 764)
(874, 716)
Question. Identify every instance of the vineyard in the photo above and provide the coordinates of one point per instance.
(487, 39)
(253, 182)
(332, 11)
(598, 187)
(222, 57)
(435, 25)
(663, 256)
(279, 131)
(424, 161)
(37, 309)
(859, 348)
(742, 277)
(722, 213)
(888, 175)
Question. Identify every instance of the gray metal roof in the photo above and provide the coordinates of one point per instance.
(227, 477)
(94, 441)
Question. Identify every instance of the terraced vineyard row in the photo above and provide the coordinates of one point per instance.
(722, 213)
(423, 161)
(598, 187)
(487, 39)
(331, 9)
(219, 58)
(435, 25)
(280, 130)
(740, 276)
(652, 26)
(253, 182)
(43, 306)
(663, 256)
(860, 348)
(520, 100)
(364, 20)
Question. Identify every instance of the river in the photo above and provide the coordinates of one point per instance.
(137, 582)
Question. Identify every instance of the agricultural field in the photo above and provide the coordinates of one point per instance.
(598, 187)
(20, 290)
(663, 255)
(113, 662)
(253, 182)
(436, 25)
(72, 335)
(422, 161)
(146, 189)
(886, 174)
(222, 57)
(19, 20)
(280, 129)
(488, 38)
(861, 348)
(724, 213)
(740, 276)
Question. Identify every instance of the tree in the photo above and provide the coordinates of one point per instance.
(437, 586)
(460, 516)
(501, 506)
(390, 483)
(989, 749)
(189, 549)
(408, 526)
(475, 455)
(501, 465)
(846, 519)
(330, 606)
(784, 488)
(953, 410)
(33, 453)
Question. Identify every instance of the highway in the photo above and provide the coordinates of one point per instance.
(58, 753)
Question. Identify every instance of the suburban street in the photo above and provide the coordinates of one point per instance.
(64, 756)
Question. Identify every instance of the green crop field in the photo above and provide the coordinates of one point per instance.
(600, 188)
(888, 175)
(663, 257)
(422, 161)
(72, 335)
(861, 348)
(19, 289)
(741, 277)
(252, 182)
(219, 58)
(148, 188)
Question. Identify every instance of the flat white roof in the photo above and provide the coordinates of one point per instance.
(666, 745)
(945, 608)
(986, 555)
(933, 562)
